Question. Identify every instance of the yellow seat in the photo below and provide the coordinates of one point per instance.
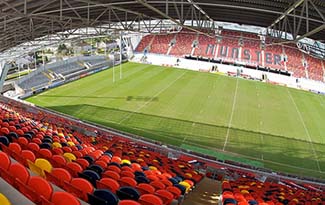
(35, 169)
(152, 168)
(71, 144)
(69, 157)
(4, 200)
(186, 185)
(125, 161)
(56, 145)
(44, 165)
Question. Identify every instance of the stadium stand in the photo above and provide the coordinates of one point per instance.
(83, 165)
(232, 46)
(60, 71)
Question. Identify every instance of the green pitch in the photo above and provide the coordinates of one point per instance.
(281, 127)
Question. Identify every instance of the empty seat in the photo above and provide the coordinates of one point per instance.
(41, 187)
(145, 188)
(127, 181)
(111, 174)
(58, 176)
(4, 161)
(27, 155)
(83, 163)
(102, 197)
(90, 175)
(43, 165)
(80, 187)
(150, 199)
(64, 198)
(58, 161)
(4, 140)
(108, 183)
(15, 147)
(97, 168)
(45, 153)
(4, 200)
(69, 157)
(128, 193)
(128, 202)
(166, 196)
(74, 168)
(19, 172)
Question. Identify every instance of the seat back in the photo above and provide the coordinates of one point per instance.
(128, 193)
(40, 186)
(145, 188)
(27, 155)
(64, 198)
(90, 175)
(19, 172)
(4, 200)
(103, 196)
(4, 161)
(81, 185)
(150, 199)
(44, 165)
(74, 168)
(108, 183)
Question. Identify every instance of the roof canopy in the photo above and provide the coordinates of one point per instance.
(26, 20)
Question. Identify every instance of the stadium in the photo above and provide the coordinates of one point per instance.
(162, 102)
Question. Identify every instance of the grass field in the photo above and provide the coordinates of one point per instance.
(281, 127)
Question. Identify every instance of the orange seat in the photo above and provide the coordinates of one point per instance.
(108, 183)
(58, 176)
(128, 202)
(83, 185)
(144, 188)
(58, 161)
(33, 147)
(45, 153)
(74, 168)
(150, 199)
(83, 163)
(64, 198)
(175, 191)
(165, 195)
(127, 181)
(41, 187)
(127, 174)
(27, 155)
(19, 172)
(15, 147)
(4, 161)
(111, 174)
(158, 185)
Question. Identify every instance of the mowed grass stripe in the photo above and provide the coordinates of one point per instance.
(195, 110)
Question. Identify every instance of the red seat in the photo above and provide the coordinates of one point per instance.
(22, 141)
(150, 199)
(15, 147)
(127, 174)
(144, 188)
(83, 163)
(175, 191)
(19, 172)
(74, 168)
(33, 147)
(64, 198)
(111, 174)
(4, 161)
(101, 163)
(108, 183)
(128, 202)
(127, 181)
(58, 161)
(45, 153)
(36, 189)
(58, 176)
(80, 187)
(166, 196)
(158, 185)
(27, 155)
(114, 168)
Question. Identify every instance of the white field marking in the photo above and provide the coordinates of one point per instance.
(306, 130)
(153, 97)
(231, 116)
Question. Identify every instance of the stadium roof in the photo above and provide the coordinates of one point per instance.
(26, 20)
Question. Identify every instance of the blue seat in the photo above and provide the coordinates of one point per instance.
(97, 168)
(252, 202)
(172, 180)
(90, 176)
(4, 140)
(45, 146)
(102, 197)
(142, 179)
(89, 159)
(137, 173)
(127, 192)
(181, 187)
